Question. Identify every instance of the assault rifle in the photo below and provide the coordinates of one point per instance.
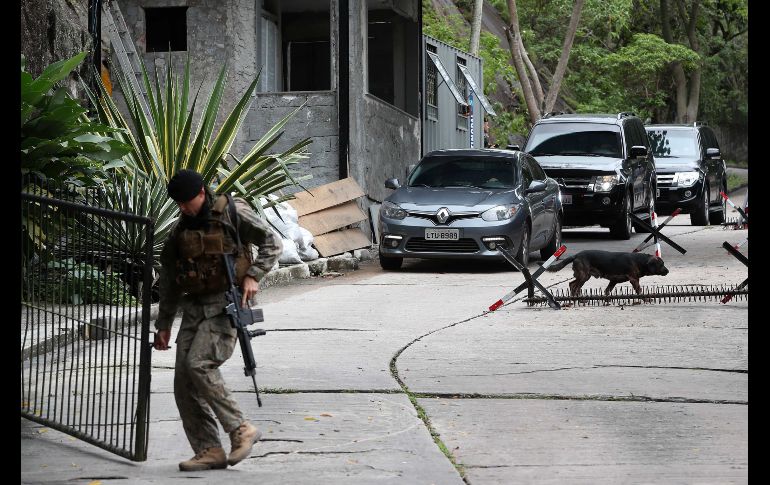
(240, 319)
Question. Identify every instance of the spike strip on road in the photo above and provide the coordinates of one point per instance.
(644, 244)
(663, 294)
(537, 273)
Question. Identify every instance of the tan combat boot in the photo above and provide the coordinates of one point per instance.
(206, 459)
(242, 439)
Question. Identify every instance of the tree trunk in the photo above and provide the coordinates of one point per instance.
(694, 99)
(476, 26)
(680, 79)
(514, 36)
(561, 67)
(535, 78)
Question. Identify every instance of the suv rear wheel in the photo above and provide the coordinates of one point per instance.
(622, 228)
(718, 217)
(650, 203)
(700, 217)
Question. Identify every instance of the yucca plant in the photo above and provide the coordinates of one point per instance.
(164, 142)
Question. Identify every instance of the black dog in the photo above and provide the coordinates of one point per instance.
(614, 266)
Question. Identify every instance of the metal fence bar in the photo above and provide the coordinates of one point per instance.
(86, 333)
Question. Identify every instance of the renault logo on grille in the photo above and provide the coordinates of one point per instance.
(442, 215)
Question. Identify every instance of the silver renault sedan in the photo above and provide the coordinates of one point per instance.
(464, 203)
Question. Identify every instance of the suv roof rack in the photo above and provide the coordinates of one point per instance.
(700, 123)
(623, 114)
(553, 113)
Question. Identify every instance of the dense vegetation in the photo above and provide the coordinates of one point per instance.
(621, 59)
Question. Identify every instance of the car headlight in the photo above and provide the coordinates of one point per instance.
(390, 210)
(499, 213)
(686, 179)
(605, 183)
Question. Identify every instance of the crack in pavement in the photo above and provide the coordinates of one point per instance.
(319, 329)
(597, 366)
(565, 397)
(300, 452)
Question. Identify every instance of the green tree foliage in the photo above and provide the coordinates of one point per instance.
(453, 30)
(620, 61)
(58, 140)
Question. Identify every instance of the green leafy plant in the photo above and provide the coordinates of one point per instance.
(164, 142)
(58, 141)
(70, 282)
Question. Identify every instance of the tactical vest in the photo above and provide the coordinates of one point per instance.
(200, 267)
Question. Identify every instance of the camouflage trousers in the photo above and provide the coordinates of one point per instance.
(204, 342)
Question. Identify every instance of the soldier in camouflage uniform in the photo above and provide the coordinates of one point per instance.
(193, 277)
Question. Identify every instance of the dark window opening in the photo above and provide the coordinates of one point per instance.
(306, 51)
(166, 29)
(393, 56)
(431, 86)
(463, 111)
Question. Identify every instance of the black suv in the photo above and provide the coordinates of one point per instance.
(603, 165)
(691, 172)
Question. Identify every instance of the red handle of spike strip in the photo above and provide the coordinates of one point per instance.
(496, 305)
(676, 212)
(560, 251)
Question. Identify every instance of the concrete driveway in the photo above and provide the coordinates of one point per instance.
(405, 378)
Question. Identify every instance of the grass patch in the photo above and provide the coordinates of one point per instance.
(735, 181)
(737, 164)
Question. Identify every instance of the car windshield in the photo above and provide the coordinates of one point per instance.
(673, 143)
(576, 139)
(477, 172)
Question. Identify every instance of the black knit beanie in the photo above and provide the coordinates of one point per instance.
(185, 185)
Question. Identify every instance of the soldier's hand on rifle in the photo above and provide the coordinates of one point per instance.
(250, 288)
(161, 339)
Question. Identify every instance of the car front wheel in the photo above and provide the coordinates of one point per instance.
(390, 263)
(523, 255)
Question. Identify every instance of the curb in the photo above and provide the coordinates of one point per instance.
(344, 262)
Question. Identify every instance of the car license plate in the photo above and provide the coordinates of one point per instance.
(566, 198)
(442, 234)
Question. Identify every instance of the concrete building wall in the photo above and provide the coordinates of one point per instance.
(218, 34)
(384, 140)
(316, 120)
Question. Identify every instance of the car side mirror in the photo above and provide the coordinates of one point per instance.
(392, 184)
(713, 153)
(638, 151)
(535, 186)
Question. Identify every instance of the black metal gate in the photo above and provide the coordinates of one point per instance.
(86, 299)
